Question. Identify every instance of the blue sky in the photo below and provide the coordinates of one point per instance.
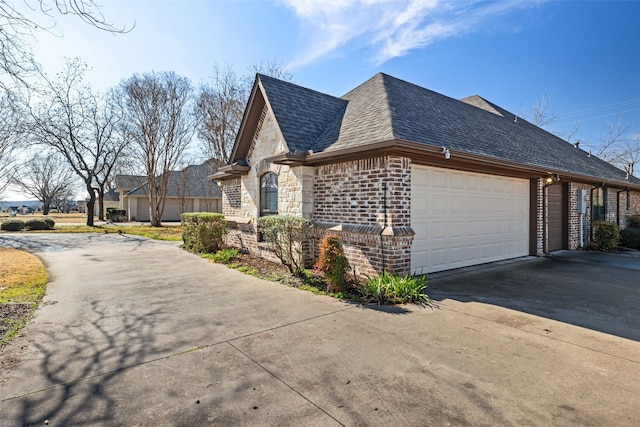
(583, 55)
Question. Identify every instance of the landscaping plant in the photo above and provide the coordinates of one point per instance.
(36, 224)
(630, 236)
(333, 263)
(223, 256)
(286, 235)
(203, 232)
(12, 225)
(606, 235)
(390, 289)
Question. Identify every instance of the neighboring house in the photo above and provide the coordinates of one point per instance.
(111, 200)
(189, 190)
(412, 180)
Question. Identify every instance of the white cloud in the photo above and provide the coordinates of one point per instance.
(392, 28)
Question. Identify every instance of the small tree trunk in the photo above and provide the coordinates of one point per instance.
(101, 204)
(90, 206)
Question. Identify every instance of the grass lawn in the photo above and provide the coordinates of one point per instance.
(23, 280)
(71, 218)
(173, 233)
(75, 223)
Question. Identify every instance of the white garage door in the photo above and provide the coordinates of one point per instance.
(464, 218)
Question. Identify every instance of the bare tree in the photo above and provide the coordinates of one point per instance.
(47, 178)
(541, 114)
(160, 124)
(219, 113)
(19, 23)
(105, 121)
(11, 123)
(615, 135)
(626, 155)
(76, 123)
(220, 104)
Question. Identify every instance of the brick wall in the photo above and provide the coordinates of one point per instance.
(540, 226)
(231, 197)
(368, 204)
(574, 216)
(634, 206)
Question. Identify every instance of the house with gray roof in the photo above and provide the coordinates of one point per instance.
(189, 190)
(412, 180)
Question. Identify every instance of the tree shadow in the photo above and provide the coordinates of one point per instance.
(591, 290)
(80, 361)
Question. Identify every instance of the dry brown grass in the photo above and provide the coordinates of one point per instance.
(22, 276)
(23, 281)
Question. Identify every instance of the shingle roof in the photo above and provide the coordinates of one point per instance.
(301, 113)
(127, 183)
(192, 181)
(385, 108)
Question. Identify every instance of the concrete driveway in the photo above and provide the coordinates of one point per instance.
(138, 332)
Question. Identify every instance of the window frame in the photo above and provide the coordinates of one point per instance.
(268, 199)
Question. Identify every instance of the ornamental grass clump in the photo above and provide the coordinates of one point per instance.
(333, 263)
(389, 289)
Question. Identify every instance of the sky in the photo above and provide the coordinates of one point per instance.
(583, 56)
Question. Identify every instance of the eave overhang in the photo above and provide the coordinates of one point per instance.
(433, 156)
(230, 172)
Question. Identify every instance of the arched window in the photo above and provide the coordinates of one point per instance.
(269, 194)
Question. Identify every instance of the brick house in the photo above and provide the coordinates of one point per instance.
(188, 190)
(412, 180)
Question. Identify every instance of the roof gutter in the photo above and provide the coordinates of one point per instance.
(434, 155)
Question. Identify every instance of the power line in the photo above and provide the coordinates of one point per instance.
(601, 107)
(599, 117)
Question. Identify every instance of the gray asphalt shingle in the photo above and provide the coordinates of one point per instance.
(385, 108)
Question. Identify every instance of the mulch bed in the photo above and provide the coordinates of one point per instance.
(11, 313)
(277, 272)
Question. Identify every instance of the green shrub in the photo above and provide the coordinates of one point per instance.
(36, 224)
(116, 215)
(286, 235)
(13, 225)
(50, 223)
(224, 256)
(606, 235)
(202, 232)
(630, 237)
(387, 288)
(633, 221)
(333, 263)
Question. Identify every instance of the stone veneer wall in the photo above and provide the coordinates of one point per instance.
(241, 196)
(368, 204)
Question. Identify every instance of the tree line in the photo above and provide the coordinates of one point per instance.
(66, 132)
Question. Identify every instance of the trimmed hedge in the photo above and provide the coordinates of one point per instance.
(203, 232)
(36, 224)
(633, 221)
(12, 225)
(630, 237)
(606, 235)
(50, 223)
(116, 215)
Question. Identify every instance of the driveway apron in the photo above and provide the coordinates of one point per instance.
(138, 332)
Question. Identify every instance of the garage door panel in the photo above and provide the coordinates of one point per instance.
(464, 218)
